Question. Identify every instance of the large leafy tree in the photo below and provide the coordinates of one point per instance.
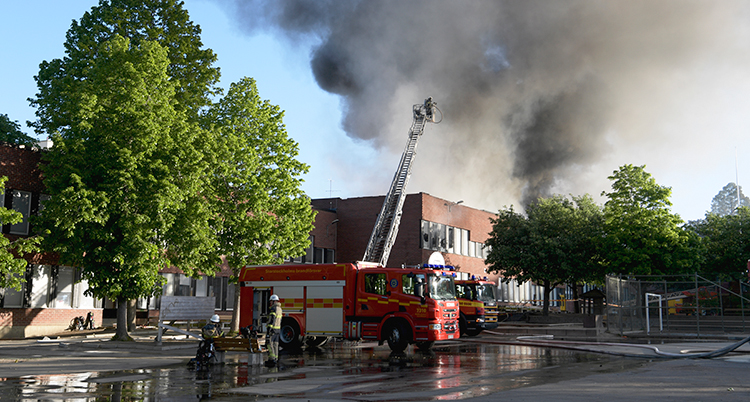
(10, 132)
(726, 242)
(728, 200)
(166, 22)
(146, 171)
(261, 214)
(124, 177)
(122, 107)
(642, 235)
(556, 243)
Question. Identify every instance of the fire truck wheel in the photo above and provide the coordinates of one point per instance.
(462, 325)
(398, 336)
(473, 332)
(289, 336)
(426, 345)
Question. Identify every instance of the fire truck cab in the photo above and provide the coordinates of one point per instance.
(478, 303)
(353, 301)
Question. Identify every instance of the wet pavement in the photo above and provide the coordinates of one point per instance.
(487, 367)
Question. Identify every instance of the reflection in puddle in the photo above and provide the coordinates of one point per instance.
(450, 371)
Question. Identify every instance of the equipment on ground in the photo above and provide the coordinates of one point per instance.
(205, 356)
(386, 227)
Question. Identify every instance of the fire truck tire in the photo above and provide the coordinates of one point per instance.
(426, 345)
(289, 336)
(462, 325)
(473, 332)
(398, 336)
(316, 341)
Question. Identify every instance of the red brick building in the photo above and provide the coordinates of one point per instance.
(51, 295)
(428, 224)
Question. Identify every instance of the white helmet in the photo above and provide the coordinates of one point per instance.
(215, 318)
(274, 298)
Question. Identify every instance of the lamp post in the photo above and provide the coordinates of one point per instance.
(329, 225)
(452, 204)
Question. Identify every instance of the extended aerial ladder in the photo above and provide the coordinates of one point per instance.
(386, 228)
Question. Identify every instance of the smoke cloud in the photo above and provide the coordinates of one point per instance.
(534, 93)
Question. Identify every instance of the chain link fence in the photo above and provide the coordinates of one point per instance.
(677, 304)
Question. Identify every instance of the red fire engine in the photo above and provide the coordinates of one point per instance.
(477, 299)
(353, 301)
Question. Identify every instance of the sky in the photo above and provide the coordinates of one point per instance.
(537, 97)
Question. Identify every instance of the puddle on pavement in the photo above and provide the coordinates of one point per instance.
(450, 371)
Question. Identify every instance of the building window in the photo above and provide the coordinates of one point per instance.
(330, 256)
(13, 297)
(317, 255)
(440, 237)
(22, 204)
(40, 286)
(63, 292)
(183, 285)
(309, 256)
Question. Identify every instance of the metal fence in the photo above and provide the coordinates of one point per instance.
(677, 304)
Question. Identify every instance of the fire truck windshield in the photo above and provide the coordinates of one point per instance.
(441, 287)
(486, 293)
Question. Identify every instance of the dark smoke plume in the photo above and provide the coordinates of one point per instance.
(530, 89)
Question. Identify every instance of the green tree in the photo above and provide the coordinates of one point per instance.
(124, 178)
(166, 22)
(12, 267)
(10, 132)
(642, 236)
(147, 119)
(726, 241)
(262, 216)
(555, 244)
(726, 201)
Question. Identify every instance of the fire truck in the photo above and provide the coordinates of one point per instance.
(363, 300)
(354, 301)
(478, 304)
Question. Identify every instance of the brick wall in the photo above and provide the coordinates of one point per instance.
(357, 218)
(18, 323)
(21, 166)
(325, 231)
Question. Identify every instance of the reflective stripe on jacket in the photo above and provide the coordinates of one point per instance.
(275, 316)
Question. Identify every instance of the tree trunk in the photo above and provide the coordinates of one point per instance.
(122, 320)
(131, 315)
(235, 326)
(545, 309)
(576, 301)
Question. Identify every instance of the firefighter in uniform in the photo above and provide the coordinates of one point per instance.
(274, 329)
(212, 329)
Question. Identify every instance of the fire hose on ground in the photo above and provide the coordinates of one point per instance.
(589, 347)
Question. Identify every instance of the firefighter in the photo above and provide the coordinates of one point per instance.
(274, 329)
(212, 329)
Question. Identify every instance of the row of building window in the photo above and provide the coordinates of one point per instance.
(315, 255)
(449, 239)
(49, 286)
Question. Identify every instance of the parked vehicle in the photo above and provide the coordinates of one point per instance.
(478, 303)
(353, 301)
